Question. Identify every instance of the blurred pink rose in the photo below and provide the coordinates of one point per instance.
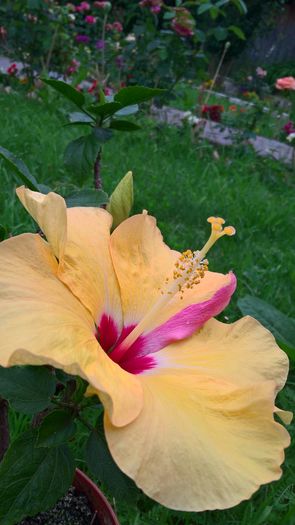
(117, 26)
(84, 6)
(12, 70)
(102, 5)
(285, 83)
(183, 23)
(260, 72)
(89, 19)
(3, 32)
(153, 5)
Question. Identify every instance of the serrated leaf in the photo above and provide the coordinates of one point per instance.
(128, 110)
(56, 428)
(121, 200)
(67, 91)
(20, 169)
(87, 197)
(204, 7)
(238, 32)
(124, 125)
(32, 479)
(27, 388)
(3, 232)
(137, 94)
(81, 153)
(104, 110)
(282, 326)
(103, 467)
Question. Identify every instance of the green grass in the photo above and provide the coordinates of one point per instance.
(181, 183)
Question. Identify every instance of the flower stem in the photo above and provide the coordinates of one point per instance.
(97, 174)
(4, 427)
(226, 47)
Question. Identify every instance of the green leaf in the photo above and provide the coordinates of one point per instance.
(80, 118)
(220, 33)
(102, 134)
(241, 6)
(204, 7)
(27, 388)
(238, 32)
(20, 169)
(32, 479)
(201, 36)
(80, 154)
(128, 110)
(102, 97)
(168, 15)
(124, 125)
(3, 232)
(67, 91)
(87, 197)
(121, 200)
(221, 3)
(137, 94)
(56, 428)
(104, 110)
(103, 467)
(282, 326)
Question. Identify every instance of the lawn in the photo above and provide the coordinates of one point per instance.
(182, 183)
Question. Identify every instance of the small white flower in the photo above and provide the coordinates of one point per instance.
(291, 137)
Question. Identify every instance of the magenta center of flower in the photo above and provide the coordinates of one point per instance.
(110, 340)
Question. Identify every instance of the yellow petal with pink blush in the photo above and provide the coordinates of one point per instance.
(80, 240)
(200, 443)
(42, 322)
(243, 352)
(144, 265)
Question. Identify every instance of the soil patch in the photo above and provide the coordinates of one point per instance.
(72, 509)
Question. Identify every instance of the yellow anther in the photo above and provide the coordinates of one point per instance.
(216, 226)
(229, 230)
(217, 220)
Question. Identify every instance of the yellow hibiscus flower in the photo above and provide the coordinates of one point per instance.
(188, 400)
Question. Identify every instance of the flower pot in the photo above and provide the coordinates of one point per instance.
(97, 501)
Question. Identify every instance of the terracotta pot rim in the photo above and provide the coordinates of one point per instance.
(96, 498)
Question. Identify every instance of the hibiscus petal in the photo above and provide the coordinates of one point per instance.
(243, 352)
(80, 240)
(200, 443)
(142, 262)
(50, 213)
(178, 327)
(41, 322)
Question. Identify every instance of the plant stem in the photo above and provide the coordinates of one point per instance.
(227, 45)
(97, 175)
(103, 50)
(52, 46)
(4, 427)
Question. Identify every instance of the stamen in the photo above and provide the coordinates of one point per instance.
(188, 271)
